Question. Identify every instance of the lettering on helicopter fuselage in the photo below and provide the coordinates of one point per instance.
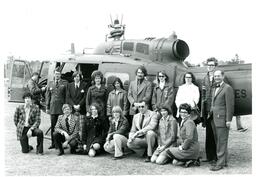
(240, 93)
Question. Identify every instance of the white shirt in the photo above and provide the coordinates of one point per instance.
(27, 111)
(77, 85)
(187, 94)
(217, 89)
(161, 85)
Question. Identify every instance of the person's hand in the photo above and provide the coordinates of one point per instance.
(47, 111)
(161, 149)
(228, 125)
(87, 114)
(180, 148)
(29, 133)
(84, 146)
(43, 89)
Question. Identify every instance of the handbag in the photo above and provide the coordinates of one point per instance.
(195, 115)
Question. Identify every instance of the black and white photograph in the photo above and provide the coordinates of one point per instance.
(126, 87)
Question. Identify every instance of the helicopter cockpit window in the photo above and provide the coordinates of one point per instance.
(110, 76)
(142, 48)
(128, 46)
(68, 70)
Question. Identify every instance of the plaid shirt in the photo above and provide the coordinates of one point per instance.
(34, 119)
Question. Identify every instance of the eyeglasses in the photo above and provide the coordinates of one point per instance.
(210, 65)
(160, 76)
(184, 112)
(141, 106)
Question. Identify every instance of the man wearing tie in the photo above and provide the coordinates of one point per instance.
(142, 135)
(67, 130)
(222, 109)
(55, 98)
(76, 94)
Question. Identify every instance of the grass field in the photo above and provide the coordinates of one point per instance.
(16, 163)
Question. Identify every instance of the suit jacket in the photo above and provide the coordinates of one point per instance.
(55, 96)
(78, 97)
(74, 126)
(222, 105)
(137, 94)
(122, 128)
(20, 116)
(150, 122)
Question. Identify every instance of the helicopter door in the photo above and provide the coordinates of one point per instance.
(20, 74)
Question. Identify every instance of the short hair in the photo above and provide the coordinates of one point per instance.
(95, 74)
(118, 109)
(192, 75)
(117, 79)
(164, 73)
(167, 108)
(27, 95)
(185, 106)
(144, 101)
(66, 106)
(221, 71)
(57, 69)
(77, 73)
(212, 59)
(143, 69)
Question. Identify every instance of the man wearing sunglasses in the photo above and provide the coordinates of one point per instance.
(142, 135)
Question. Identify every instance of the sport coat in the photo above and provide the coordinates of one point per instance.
(55, 96)
(74, 126)
(139, 93)
(78, 97)
(34, 119)
(150, 122)
(122, 128)
(222, 105)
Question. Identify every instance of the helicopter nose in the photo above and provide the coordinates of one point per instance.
(180, 49)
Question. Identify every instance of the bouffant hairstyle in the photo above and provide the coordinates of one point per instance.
(117, 79)
(95, 74)
(97, 106)
(165, 107)
(143, 69)
(185, 106)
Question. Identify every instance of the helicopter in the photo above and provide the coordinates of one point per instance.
(120, 57)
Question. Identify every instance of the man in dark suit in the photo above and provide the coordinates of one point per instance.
(55, 98)
(27, 120)
(142, 135)
(139, 89)
(67, 130)
(222, 109)
(76, 94)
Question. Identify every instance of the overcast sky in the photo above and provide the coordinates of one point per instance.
(45, 29)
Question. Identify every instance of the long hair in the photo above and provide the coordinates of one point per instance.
(193, 78)
(119, 110)
(163, 73)
(117, 79)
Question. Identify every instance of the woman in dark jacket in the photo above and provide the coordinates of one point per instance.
(93, 134)
(117, 135)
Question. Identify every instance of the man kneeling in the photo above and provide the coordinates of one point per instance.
(66, 130)
(142, 135)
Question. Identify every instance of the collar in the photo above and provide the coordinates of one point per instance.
(166, 118)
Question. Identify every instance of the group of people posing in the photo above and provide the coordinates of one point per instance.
(142, 120)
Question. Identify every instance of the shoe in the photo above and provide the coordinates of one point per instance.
(189, 163)
(212, 162)
(30, 148)
(216, 168)
(197, 162)
(147, 159)
(205, 160)
(60, 153)
(117, 158)
(39, 153)
(51, 147)
(242, 129)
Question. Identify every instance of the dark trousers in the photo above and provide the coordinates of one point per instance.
(59, 139)
(24, 140)
(210, 144)
(54, 118)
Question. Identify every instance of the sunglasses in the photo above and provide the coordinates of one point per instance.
(160, 76)
(210, 65)
(141, 106)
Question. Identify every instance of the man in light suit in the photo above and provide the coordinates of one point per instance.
(139, 89)
(222, 109)
(67, 130)
(55, 98)
(142, 135)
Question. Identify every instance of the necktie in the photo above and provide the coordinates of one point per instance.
(141, 121)
(217, 85)
(57, 83)
(67, 124)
